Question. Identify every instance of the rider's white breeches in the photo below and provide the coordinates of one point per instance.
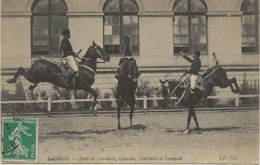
(72, 63)
(193, 79)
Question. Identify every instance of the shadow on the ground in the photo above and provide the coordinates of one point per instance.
(201, 130)
(133, 127)
(83, 132)
(216, 129)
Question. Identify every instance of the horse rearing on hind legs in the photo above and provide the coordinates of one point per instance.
(126, 86)
(213, 77)
(46, 71)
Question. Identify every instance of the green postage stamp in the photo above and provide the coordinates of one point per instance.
(19, 139)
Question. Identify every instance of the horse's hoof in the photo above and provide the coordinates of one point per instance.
(187, 131)
(10, 81)
(197, 128)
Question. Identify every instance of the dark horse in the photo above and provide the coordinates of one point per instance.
(126, 86)
(213, 77)
(45, 71)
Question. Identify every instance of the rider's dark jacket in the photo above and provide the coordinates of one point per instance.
(195, 65)
(66, 47)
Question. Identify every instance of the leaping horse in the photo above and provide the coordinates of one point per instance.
(213, 77)
(46, 71)
(126, 86)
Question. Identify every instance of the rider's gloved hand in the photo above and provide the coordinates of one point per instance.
(76, 55)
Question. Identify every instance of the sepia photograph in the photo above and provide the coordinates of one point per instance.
(130, 81)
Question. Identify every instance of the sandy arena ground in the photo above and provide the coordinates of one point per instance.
(225, 137)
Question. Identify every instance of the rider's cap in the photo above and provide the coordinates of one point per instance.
(65, 32)
(197, 52)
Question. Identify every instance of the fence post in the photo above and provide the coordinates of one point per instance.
(95, 111)
(145, 104)
(237, 102)
(49, 106)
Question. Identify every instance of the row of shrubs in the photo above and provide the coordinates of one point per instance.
(144, 89)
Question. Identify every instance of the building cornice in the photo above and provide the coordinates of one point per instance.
(156, 14)
(16, 14)
(80, 14)
(224, 13)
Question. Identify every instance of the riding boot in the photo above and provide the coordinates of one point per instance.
(70, 78)
(192, 91)
(192, 95)
(76, 74)
(67, 80)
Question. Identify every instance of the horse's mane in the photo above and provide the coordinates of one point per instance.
(87, 53)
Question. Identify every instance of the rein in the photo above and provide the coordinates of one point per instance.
(177, 85)
(84, 58)
(181, 97)
(102, 57)
(89, 59)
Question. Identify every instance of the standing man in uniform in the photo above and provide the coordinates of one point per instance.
(68, 54)
(194, 68)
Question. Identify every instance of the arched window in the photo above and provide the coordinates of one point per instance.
(48, 20)
(120, 20)
(249, 26)
(190, 26)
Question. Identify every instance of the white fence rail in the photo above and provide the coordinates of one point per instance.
(144, 99)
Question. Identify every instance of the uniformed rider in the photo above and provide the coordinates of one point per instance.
(68, 54)
(194, 68)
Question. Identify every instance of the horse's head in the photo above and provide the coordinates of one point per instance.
(95, 51)
(168, 86)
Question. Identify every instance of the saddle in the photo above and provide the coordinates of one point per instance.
(186, 85)
(67, 70)
(199, 83)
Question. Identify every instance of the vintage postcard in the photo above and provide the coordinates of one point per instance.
(130, 81)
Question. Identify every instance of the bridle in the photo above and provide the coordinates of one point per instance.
(168, 86)
(168, 89)
(100, 55)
